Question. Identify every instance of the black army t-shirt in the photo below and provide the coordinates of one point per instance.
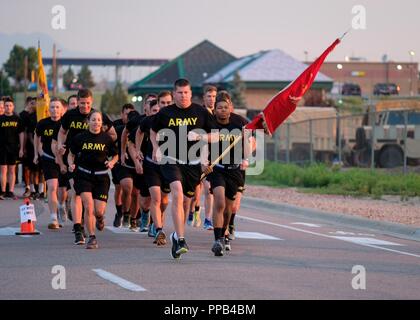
(10, 127)
(179, 122)
(46, 129)
(227, 135)
(92, 150)
(75, 122)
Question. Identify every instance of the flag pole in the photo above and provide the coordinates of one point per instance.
(225, 152)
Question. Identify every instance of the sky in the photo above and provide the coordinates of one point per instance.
(167, 28)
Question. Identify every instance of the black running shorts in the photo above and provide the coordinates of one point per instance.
(231, 180)
(140, 184)
(8, 157)
(50, 168)
(154, 177)
(98, 185)
(188, 175)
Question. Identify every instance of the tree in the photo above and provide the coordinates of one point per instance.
(5, 89)
(86, 78)
(112, 102)
(107, 102)
(237, 92)
(68, 77)
(15, 65)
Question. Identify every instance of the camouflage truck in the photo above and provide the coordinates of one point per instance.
(306, 124)
(384, 124)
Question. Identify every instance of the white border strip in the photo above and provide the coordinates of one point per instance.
(326, 236)
(118, 280)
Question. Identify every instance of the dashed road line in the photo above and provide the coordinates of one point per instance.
(118, 280)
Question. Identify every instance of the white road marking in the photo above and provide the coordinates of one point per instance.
(118, 280)
(8, 231)
(326, 236)
(312, 225)
(254, 235)
(344, 233)
(360, 240)
(122, 230)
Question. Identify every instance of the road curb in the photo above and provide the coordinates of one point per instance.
(384, 227)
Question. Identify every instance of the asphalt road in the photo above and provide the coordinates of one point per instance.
(297, 259)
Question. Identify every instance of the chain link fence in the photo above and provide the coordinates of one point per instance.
(385, 139)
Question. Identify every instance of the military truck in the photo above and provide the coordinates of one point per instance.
(384, 123)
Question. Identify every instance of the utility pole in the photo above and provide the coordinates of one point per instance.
(54, 71)
(25, 76)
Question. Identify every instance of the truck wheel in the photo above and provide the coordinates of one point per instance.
(362, 157)
(360, 138)
(391, 157)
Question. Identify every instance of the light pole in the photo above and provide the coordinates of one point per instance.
(412, 54)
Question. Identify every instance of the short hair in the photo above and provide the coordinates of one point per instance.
(54, 99)
(181, 83)
(150, 95)
(222, 98)
(84, 93)
(8, 99)
(127, 106)
(64, 103)
(223, 95)
(72, 96)
(164, 94)
(29, 99)
(93, 112)
(209, 88)
(132, 114)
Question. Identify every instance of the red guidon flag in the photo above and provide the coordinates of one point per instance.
(284, 103)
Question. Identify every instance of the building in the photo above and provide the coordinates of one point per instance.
(265, 74)
(367, 74)
(196, 65)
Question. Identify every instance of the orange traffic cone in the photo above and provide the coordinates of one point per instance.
(27, 219)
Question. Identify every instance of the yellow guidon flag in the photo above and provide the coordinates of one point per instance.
(43, 100)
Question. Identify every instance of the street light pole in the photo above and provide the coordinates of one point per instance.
(412, 54)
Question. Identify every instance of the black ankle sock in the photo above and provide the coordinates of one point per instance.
(77, 227)
(92, 236)
(217, 233)
(232, 219)
(158, 229)
(127, 213)
(36, 188)
(119, 209)
(197, 208)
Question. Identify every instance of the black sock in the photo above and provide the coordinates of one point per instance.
(223, 233)
(127, 213)
(232, 219)
(36, 186)
(119, 209)
(158, 229)
(92, 236)
(197, 208)
(77, 227)
(138, 216)
(217, 233)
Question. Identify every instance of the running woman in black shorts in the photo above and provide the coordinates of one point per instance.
(226, 177)
(92, 154)
(73, 123)
(42, 147)
(175, 125)
(11, 147)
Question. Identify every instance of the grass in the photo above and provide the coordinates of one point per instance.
(322, 179)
